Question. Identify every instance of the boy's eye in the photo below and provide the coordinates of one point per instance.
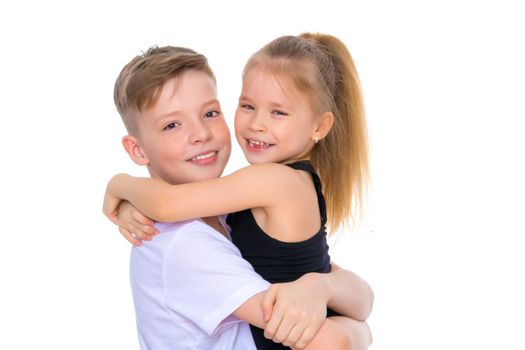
(171, 125)
(212, 114)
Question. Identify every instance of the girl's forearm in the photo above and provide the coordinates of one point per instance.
(349, 294)
(145, 194)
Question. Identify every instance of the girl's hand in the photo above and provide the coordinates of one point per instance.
(295, 311)
(133, 225)
(110, 206)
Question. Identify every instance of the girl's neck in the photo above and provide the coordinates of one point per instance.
(302, 159)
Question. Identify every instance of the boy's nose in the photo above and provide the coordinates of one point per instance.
(200, 133)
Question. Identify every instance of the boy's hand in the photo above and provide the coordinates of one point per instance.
(133, 225)
(295, 311)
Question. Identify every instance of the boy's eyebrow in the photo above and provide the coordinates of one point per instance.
(169, 114)
(178, 112)
(210, 102)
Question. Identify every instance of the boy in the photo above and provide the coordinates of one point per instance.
(191, 287)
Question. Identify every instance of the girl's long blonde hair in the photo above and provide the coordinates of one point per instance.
(341, 159)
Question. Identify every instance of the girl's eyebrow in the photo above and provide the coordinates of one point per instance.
(244, 97)
(278, 104)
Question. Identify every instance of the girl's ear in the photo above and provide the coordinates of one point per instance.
(132, 146)
(324, 125)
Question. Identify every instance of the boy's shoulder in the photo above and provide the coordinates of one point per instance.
(164, 227)
(194, 231)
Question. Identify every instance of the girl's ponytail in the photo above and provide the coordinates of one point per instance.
(342, 157)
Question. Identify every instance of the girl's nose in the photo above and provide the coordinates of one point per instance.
(257, 123)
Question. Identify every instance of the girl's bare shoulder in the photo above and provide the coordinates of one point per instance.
(270, 174)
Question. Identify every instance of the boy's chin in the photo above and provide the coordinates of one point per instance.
(205, 176)
(189, 178)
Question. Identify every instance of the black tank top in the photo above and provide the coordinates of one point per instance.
(278, 261)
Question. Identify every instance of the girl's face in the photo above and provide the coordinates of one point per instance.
(184, 135)
(273, 125)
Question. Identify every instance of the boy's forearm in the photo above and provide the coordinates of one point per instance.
(349, 294)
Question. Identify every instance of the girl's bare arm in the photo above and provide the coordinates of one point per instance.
(256, 186)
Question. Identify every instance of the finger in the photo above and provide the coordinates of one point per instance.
(129, 236)
(129, 223)
(111, 214)
(305, 338)
(142, 225)
(113, 218)
(294, 335)
(143, 219)
(110, 206)
(137, 232)
(147, 229)
(273, 324)
(283, 330)
(268, 302)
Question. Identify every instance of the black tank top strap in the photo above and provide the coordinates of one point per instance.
(306, 165)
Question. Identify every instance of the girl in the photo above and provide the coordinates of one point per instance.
(300, 114)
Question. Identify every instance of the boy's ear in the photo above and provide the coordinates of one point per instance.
(132, 146)
(324, 125)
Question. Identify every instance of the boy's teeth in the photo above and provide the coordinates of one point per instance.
(203, 156)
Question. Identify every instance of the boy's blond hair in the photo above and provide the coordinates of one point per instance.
(139, 83)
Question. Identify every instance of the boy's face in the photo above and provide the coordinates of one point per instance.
(184, 137)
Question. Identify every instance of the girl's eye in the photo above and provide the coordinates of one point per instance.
(247, 107)
(212, 114)
(171, 125)
(278, 112)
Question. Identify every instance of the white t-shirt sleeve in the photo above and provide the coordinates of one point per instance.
(206, 278)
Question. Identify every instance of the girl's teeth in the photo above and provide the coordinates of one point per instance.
(258, 143)
(203, 156)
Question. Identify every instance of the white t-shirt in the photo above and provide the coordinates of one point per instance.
(186, 282)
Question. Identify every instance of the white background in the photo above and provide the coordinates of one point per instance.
(441, 242)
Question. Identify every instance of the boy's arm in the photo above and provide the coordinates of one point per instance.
(335, 333)
(341, 290)
(255, 186)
